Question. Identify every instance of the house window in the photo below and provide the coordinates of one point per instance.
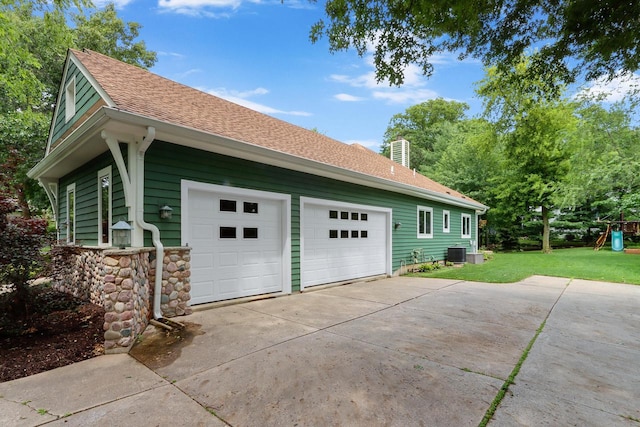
(104, 206)
(70, 100)
(425, 222)
(466, 226)
(71, 213)
(445, 221)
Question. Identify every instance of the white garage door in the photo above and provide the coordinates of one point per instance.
(343, 241)
(238, 241)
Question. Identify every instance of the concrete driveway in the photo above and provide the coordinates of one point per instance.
(393, 352)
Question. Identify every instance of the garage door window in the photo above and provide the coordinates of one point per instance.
(227, 232)
(227, 205)
(250, 207)
(425, 222)
(250, 233)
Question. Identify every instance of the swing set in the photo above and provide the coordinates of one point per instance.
(617, 234)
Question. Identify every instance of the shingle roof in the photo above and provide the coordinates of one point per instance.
(138, 91)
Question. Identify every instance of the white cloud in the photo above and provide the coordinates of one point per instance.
(347, 98)
(409, 96)
(119, 4)
(207, 8)
(613, 90)
(173, 55)
(240, 98)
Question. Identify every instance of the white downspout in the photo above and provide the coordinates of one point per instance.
(155, 232)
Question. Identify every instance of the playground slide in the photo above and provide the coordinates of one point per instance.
(616, 241)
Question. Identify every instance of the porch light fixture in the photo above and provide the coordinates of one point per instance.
(121, 234)
(165, 212)
(397, 225)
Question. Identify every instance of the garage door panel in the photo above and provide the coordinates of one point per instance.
(235, 253)
(343, 242)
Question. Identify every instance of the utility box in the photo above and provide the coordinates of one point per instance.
(457, 255)
(475, 258)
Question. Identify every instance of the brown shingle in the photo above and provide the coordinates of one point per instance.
(141, 92)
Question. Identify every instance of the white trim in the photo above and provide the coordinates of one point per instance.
(71, 225)
(106, 172)
(70, 100)
(285, 199)
(446, 225)
(333, 203)
(421, 235)
(462, 226)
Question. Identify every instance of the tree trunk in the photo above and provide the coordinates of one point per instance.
(23, 203)
(546, 245)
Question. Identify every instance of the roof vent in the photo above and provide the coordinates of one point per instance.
(400, 152)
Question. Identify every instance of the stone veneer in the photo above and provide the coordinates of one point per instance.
(122, 281)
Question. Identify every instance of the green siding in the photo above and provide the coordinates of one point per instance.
(86, 181)
(167, 164)
(86, 97)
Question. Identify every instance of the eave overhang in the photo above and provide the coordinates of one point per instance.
(85, 144)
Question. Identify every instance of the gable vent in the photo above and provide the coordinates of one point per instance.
(400, 152)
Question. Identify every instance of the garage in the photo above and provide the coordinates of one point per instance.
(343, 241)
(239, 240)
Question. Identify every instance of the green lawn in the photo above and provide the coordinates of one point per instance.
(579, 263)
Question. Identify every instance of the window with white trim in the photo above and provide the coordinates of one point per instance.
(466, 226)
(71, 213)
(446, 216)
(70, 100)
(104, 206)
(425, 222)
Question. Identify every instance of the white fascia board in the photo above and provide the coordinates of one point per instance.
(236, 148)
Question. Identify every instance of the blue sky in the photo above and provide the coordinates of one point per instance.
(258, 53)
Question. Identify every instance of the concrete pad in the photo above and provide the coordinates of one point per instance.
(604, 288)
(593, 374)
(316, 309)
(478, 346)
(163, 406)
(324, 379)
(229, 333)
(604, 318)
(517, 306)
(76, 387)
(546, 281)
(525, 407)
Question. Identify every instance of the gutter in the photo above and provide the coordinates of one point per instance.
(139, 218)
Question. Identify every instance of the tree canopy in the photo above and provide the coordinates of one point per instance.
(591, 37)
(33, 46)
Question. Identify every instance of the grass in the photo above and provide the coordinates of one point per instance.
(579, 263)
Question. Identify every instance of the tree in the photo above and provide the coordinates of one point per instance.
(535, 123)
(31, 59)
(424, 126)
(21, 241)
(605, 162)
(594, 37)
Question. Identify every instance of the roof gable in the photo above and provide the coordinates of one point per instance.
(134, 90)
(79, 91)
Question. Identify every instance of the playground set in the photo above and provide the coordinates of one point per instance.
(617, 229)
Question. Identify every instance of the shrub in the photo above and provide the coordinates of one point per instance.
(21, 242)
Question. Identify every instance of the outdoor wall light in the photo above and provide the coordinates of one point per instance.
(121, 234)
(165, 212)
(397, 225)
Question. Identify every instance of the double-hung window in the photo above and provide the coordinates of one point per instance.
(425, 222)
(466, 226)
(446, 217)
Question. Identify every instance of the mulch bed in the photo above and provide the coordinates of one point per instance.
(58, 330)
